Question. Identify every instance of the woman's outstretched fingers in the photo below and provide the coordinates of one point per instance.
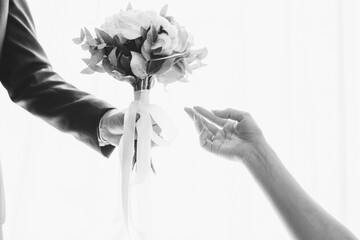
(194, 115)
(230, 114)
(199, 124)
(210, 116)
(205, 139)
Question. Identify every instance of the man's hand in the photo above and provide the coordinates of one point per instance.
(111, 127)
(235, 136)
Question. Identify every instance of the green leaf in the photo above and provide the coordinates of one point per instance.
(180, 64)
(96, 57)
(85, 46)
(157, 50)
(143, 33)
(86, 60)
(89, 38)
(152, 35)
(138, 42)
(123, 78)
(128, 79)
(107, 66)
(101, 46)
(92, 67)
(138, 65)
(77, 40)
(112, 57)
(160, 67)
(87, 71)
(202, 53)
(82, 35)
(117, 40)
(104, 36)
(163, 10)
(124, 50)
(129, 7)
(125, 61)
(98, 68)
(170, 18)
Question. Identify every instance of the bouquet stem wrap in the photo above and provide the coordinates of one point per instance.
(149, 114)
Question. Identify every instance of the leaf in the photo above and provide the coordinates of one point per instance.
(101, 46)
(138, 65)
(202, 53)
(117, 40)
(181, 64)
(107, 66)
(164, 10)
(89, 38)
(145, 50)
(96, 57)
(104, 36)
(120, 77)
(125, 61)
(157, 50)
(143, 32)
(77, 40)
(124, 50)
(117, 75)
(159, 67)
(82, 35)
(129, 7)
(168, 64)
(170, 19)
(138, 42)
(112, 57)
(98, 68)
(174, 74)
(86, 60)
(85, 46)
(87, 71)
(152, 35)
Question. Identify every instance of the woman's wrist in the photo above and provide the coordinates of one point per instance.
(259, 153)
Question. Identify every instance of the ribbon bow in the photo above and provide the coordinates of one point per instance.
(149, 113)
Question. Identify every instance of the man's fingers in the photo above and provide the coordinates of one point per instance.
(230, 114)
(211, 116)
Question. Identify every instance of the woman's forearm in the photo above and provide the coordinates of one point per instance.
(306, 219)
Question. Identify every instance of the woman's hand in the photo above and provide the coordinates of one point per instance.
(236, 135)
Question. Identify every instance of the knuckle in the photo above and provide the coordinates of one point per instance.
(246, 114)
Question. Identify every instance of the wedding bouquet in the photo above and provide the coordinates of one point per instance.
(140, 47)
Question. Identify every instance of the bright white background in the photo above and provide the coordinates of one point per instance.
(293, 64)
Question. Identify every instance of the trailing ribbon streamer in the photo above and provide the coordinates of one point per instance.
(149, 114)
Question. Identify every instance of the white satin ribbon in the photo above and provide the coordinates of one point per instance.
(149, 114)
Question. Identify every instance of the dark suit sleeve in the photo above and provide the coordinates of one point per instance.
(30, 81)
